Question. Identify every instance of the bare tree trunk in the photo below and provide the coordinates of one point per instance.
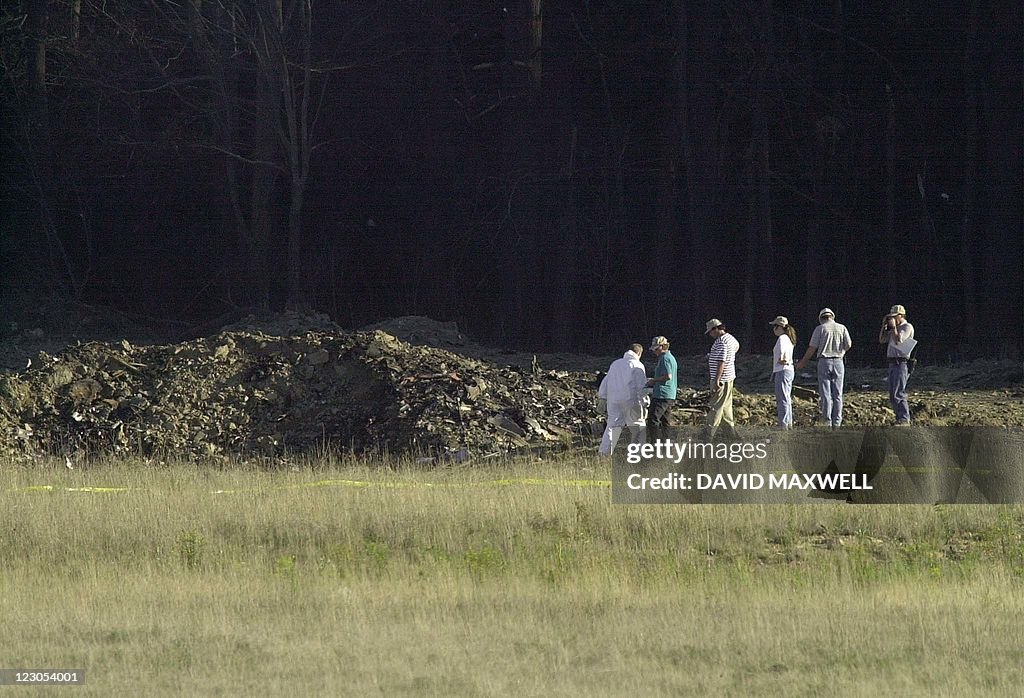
(761, 259)
(663, 286)
(521, 278)
(512, 261)
(893, 247)
(751, 267)
(563, 334)
(286, 99)
(249, 179)
(76, 21)
(700, 141)
(298, 143)
(536, 40)
(933, 276)
(969, 235)
(825, 179)
(37, 33)
(40, 148)
(566, 247)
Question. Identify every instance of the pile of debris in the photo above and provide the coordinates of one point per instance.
(245, 392)
(299, 384)
(422, 331)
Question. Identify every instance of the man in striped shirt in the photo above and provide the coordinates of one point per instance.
(722, 371)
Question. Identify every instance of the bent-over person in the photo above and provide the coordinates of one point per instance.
(623, 390)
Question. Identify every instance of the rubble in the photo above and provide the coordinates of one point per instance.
(421, 331)
(245, 392)
(296, 383)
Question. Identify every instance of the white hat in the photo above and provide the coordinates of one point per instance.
(712, 324)
(780, 320)
(897, 310)
(824, 312)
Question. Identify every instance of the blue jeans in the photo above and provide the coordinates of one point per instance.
(830, 389)
(783, 395)
(898, 375)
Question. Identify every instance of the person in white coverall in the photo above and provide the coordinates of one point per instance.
(623, 389)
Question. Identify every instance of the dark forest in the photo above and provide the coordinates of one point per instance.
(553, 175)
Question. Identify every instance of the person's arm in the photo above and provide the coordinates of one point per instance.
(785, 352)
(639, 382)
(666, 376)
(887, 330)
(718, 374)
(719, 355)
(808, 355)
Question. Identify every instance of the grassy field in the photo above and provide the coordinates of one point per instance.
(519, 578)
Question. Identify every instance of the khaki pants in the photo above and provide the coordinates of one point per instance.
(720, 410)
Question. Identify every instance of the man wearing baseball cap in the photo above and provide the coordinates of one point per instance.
(665, 384)
(722, 371)
(899, 334)
(830, 341)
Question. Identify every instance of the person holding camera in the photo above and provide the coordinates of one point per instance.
(899, 334)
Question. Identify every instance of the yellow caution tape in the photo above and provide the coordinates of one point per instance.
(51, 488)
(483, 483)
(356, 483)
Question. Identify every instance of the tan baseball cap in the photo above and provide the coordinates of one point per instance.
(780, 320)
(712, 324)
(659, 341)
(897, 310)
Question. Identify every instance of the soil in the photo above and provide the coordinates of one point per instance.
(298, 383)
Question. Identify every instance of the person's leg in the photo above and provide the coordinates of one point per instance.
(786, 407)
(780, 399)
(727, 417)
(899, 393)
(716, 404)
(837, 392)
(636, 418)
(825, 390)
(892, 386)
(654, 421)
(608, 440)
(616, 420)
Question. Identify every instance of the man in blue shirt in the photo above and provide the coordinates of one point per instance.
(665, 383)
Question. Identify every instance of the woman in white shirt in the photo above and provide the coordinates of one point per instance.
(782, 370)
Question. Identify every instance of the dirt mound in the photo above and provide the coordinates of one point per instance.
(49, 324)
(289, 323)
(247, 392)
(421, 331)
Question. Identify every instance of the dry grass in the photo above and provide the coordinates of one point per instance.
(477, 582)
